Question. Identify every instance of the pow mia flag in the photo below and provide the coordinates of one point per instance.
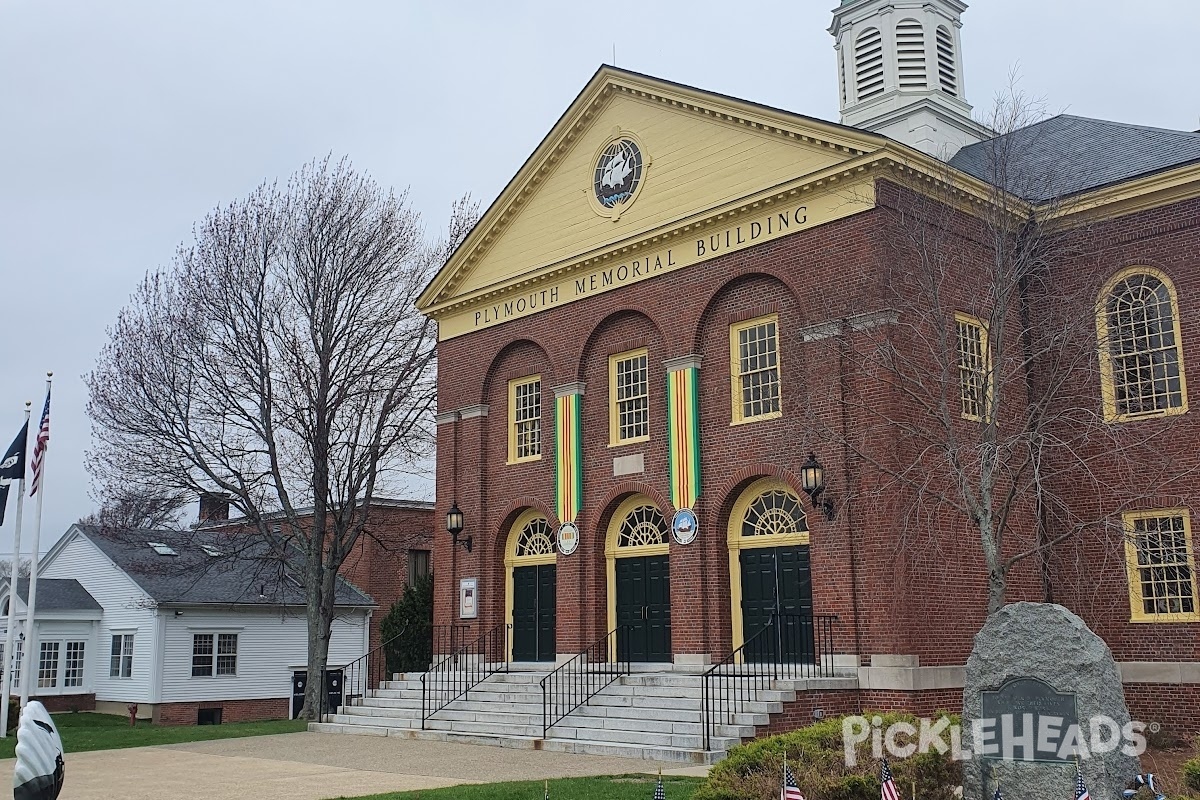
(12, 466)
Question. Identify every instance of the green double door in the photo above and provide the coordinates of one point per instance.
(533, 631)
(777, 581)
(644, 608)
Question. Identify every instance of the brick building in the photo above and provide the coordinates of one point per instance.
(681, 296)
(395, 550)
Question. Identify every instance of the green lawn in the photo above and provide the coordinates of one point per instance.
(85, 731)
(619, 787)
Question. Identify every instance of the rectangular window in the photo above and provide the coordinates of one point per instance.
(629, 397)
(202, 655)
(754, 369)
(975, 382)
(18, 656)
(419, 566)
(73, 668)
(525, 419)
(120, 663)
(48, 666)
(227, 653)
(1162, 566)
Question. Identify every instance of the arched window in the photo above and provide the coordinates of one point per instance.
(775, 512)
(947, 71)
(535, 539)
(643, 525)
(1140, 353)
(868, 64)
(910, 54)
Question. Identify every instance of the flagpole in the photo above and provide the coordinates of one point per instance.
(13, 576)
(31, 605)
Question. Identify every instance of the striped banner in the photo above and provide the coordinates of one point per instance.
(568, 457)
(683, 410)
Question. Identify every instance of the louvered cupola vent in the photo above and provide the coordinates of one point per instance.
(868, 64)
(910, 54)
(946, 72)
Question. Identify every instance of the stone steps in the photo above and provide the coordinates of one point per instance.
(652, 713)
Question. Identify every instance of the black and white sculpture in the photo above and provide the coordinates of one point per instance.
(39, 771)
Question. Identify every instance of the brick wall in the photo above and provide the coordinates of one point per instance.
(56, 703)
(231, 711)
(892, 576)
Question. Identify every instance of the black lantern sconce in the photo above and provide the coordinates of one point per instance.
(812, 479)
(454, 524)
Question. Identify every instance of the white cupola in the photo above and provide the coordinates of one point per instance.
(900, 72)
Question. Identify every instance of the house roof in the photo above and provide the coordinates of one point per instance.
(58, 594)
(201, 568)
(1066, 155)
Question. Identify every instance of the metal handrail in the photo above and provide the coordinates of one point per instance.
(584, 676)
(462, 670)
(788, 647)
(370, 670)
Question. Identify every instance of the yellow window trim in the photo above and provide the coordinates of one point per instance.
(1131, 560)
(1108, 391)
(737, 543)
(614, 416)
(512, 560)
(612, 552)
(986, 346)
(735, 366)
(512, 419)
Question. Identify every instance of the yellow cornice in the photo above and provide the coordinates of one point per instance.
(823, 182)
(1132, 196)
(606, 84)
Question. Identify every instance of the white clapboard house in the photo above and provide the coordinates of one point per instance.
(175, 623)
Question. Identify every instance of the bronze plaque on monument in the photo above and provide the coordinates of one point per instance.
(1029, 721)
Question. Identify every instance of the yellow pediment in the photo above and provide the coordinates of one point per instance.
(705, 159)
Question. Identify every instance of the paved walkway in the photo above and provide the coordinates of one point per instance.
(312, 766)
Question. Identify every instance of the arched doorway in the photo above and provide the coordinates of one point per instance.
(769, 573)
(529, 562)
(639, 580)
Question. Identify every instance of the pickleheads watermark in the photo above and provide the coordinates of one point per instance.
(1008, 737)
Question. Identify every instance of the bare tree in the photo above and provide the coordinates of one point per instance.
(22, 568)
(280, 359)
(985, 353)
(134, 511)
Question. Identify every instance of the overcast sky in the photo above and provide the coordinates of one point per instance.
(124, 122)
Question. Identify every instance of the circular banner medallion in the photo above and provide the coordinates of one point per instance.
(684, 527)
(568, 538)
(618, 173)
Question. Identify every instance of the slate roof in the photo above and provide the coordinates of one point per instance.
(242, 573)
(58, 594)
(1066, 155)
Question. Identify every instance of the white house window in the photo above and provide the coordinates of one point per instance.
(48, 666)
(73, 668)
(214, 654)
(227, 654)
(120, 663)
(18, 656)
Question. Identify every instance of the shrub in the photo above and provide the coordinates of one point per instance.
(411, 619)
(815, 754)
(1191, 774)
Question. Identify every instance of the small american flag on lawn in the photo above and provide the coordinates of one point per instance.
(39, 447)
(659, 792)
(997, 795)
(791, 791)
(1081, 792)
(888, 791)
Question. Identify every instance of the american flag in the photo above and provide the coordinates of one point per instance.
(997, 795)
(889, 791)
(39, 448)
(1081, 792)
(790, 790)
(659, 792)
